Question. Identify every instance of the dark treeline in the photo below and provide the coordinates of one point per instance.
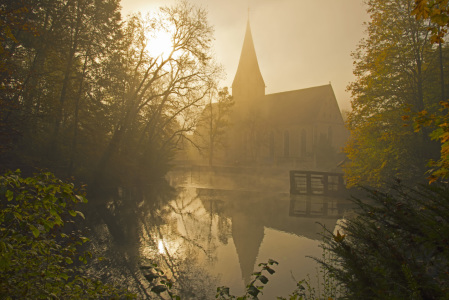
(82, 96)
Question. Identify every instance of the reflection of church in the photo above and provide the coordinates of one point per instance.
(252, 213)
(300, 128)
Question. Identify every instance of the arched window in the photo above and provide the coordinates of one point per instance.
(286, 143)
(303, 143)
(271, 145)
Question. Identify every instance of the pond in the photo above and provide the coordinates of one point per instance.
(220, 225)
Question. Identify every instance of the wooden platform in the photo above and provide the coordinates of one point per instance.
(316, 183)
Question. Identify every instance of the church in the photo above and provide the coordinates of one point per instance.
(293, 129)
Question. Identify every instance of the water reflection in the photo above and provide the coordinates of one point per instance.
(207, 236)
(210, 229)
(309, 206)
(178, 237)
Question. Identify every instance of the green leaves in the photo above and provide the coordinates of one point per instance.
(74, 213)
(81, 198)
(263, 278)
(9, 195)
(35, 231)
(68, 260)
(34, 249)
(252, 290)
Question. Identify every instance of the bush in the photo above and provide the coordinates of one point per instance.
(396, 246)
(39, 256)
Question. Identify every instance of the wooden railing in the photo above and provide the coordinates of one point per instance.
(316, 183)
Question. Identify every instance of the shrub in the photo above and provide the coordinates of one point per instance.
(396, 246)
(39, 256)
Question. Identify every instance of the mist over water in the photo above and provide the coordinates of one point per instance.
(221, 225)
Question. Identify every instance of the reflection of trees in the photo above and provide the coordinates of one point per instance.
(128, 224)
(189, 235)
(115, 217)
(170, 227)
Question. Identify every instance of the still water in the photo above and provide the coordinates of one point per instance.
(220, 225)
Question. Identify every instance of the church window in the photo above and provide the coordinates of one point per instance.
(303, 143)
(286, 143)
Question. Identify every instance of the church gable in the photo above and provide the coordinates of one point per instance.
(330, 112)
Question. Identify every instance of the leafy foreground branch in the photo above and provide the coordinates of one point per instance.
(161, 285)
(252, 290)
(40, 249)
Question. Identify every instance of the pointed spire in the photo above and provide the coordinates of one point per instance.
(248, 81)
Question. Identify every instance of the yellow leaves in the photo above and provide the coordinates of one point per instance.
(423, 118)
(406, 117)
(445, 105)
(421, 10)
(432, 179)
(339, 237)
(435, 39)
(437, 12)
(422, 113)
(444, 137)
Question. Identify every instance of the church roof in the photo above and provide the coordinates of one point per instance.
(248, 64)
(304, 105)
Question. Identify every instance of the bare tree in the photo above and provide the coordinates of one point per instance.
(214, 123)
(157, 99)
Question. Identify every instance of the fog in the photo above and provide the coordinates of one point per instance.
(177, 177)
(299, 44)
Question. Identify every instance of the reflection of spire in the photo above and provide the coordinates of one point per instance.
(251, 212)
(248, 235)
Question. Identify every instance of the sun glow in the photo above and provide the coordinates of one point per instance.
(160, 43)
(160, 247)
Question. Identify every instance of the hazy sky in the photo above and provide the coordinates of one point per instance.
(299, 43)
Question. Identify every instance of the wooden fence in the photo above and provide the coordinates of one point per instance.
(316, 183)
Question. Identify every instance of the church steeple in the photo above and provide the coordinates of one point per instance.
(248, 82)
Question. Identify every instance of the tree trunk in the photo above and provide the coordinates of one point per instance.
(76, 117)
